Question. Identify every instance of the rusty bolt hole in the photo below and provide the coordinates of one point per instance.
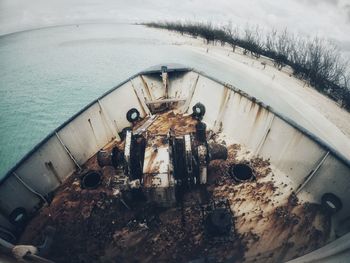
(91, 180)
(242, 172)
(18, 216)
(331, 203)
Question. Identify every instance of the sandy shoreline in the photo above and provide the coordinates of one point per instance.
(279, 89)
(326, 106)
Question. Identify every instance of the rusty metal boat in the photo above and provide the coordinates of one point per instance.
(173, 165)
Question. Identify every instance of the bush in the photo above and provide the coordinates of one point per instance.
(314, 60)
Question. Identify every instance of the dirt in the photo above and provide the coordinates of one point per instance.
(179, 124)
(270, 223)
(95, 226)
(275, 226)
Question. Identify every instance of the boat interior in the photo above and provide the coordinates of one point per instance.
(173, 165)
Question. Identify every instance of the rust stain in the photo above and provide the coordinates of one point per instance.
(93, 131)
(238, 94)
(271, 224)
(258, 113)
(139, 101)
(179, 124)
(225, 97)
(150, 163)
(147, 180)
(145, 85)
(154, 145)
(265, 205)
(105, 122)
(252, 105)
(50, 166)
(223, 106)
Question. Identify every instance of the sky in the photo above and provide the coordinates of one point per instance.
(325, 18)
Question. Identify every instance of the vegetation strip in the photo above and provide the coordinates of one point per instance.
(315, 61)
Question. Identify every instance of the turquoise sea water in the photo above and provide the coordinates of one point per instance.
(47, 75)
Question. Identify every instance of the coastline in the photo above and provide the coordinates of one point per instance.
(283, 81)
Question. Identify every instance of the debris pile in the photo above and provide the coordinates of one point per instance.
(114, 222)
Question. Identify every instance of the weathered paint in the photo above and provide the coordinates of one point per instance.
(205, 95)
(332, 177)
(118, 102)
(246, 122)
(291, 149)
(157, 156)
(13, 194)
(38, 169)
(153, 86)
(138, 87)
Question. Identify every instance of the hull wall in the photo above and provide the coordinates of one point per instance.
(242, 118)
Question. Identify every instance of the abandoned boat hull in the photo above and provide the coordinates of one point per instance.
(313, 167)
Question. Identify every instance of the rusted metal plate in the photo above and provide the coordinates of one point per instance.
(174, 122)
(145, 125)
(157, 159)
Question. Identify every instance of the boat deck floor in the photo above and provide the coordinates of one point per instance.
(270, 223)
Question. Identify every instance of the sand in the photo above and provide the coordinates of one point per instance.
(287, 95)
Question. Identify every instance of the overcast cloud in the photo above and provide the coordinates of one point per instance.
(326, 18)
